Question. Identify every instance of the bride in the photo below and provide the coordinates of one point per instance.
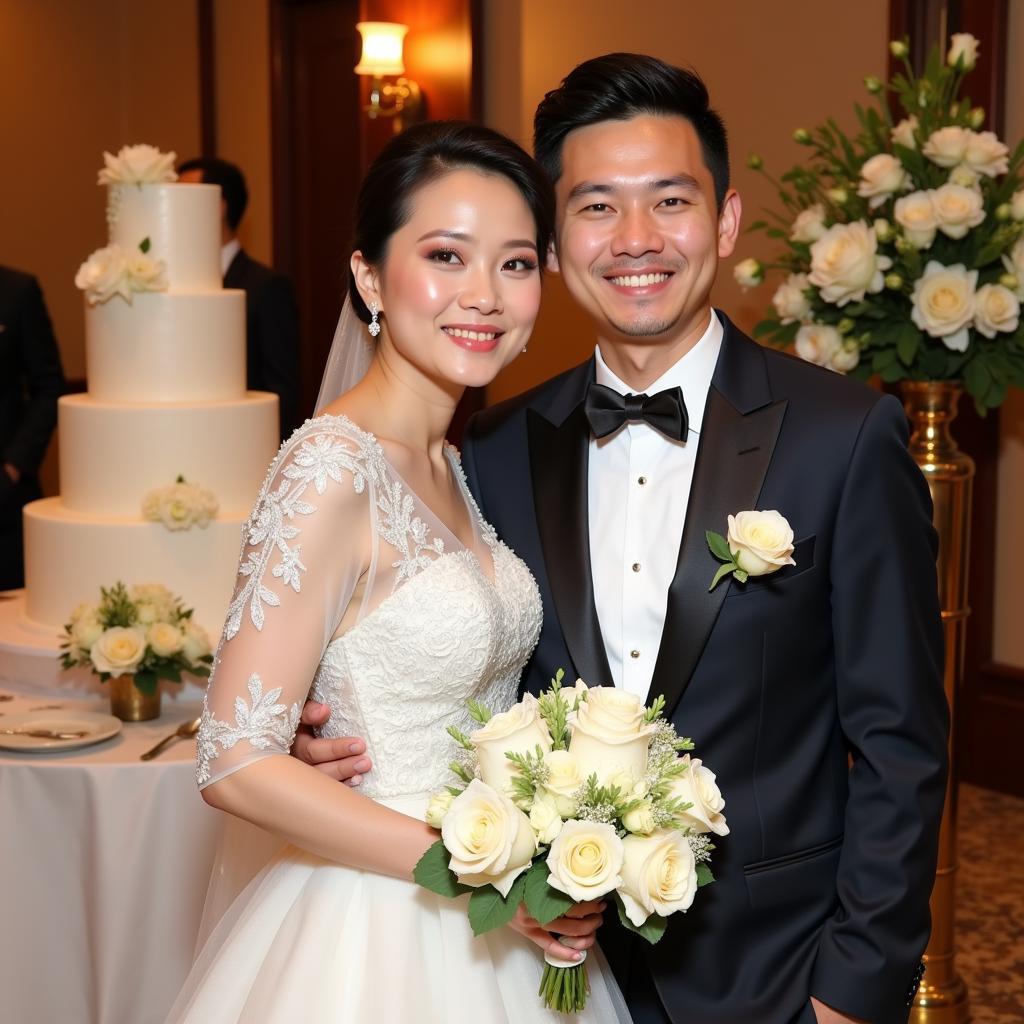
(369, 581)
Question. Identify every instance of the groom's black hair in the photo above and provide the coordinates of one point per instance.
(422, 154)
(619, 86)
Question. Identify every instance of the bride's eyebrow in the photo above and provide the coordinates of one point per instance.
(462, 236)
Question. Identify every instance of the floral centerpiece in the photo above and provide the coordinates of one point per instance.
(579, 795)
(904, 244)
(140, 636)
(180, 506)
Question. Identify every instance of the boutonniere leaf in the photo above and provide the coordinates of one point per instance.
(720, 549)
(758, 543)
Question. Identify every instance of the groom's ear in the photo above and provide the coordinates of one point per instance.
(729, 223)
(552, 259)
(367, 281)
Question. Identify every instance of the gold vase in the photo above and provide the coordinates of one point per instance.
(129, 703)
(931, 407)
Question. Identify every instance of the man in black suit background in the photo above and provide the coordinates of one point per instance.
(271, 316)
(31, 381)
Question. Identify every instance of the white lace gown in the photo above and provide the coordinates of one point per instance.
(396, 651)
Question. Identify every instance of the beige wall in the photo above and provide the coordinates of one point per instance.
(767, 72)
(1008, 641)
(78, 78)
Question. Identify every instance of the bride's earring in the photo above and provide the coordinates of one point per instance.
(374, 327)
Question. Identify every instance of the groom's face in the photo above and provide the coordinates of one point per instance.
(639, 235)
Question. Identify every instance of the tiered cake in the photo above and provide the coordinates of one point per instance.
(165, 362)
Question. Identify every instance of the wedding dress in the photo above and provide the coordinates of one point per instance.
(396, 653)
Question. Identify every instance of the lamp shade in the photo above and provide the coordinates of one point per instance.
(382, 48)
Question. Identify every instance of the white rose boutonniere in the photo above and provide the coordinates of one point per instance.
(758, 543)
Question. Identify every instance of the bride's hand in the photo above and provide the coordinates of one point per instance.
(564, 936)
(342, 758)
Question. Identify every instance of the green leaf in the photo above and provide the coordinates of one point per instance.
(144, 245)
(146, 681)
(719, 546)
(652, 929)
(433, 873)
(722, 573)
(488, 909)
(766, 327)
(543, 903)
(977, 378)
(478, 711)
(704, 875)
(907, 343)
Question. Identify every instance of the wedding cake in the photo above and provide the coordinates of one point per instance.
(162, 458)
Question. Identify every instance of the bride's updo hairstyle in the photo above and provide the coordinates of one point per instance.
(422, 154)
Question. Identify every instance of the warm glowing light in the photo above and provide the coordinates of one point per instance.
(382, 48)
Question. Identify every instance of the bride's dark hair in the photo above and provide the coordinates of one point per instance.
(422, 154)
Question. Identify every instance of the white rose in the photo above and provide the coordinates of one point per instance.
(138, 165)
(520, 730)
(610, 734)
(963, 175)
(564, 779)
(146, 274)
(987, 155)
(697, 786)
(763, 540)
(103, 275)
(947, 146)
(957, 209)
(640, 820)
(1017, 204)
(545, 819)
(119, 650)
(165, 639)
(196, 641)
(659, 875)
(174, 509)
(1014, 263)
(809, 225)
(154, 603)
(845, 264)
(85, 631)
(748, 273)
(490, 840)
(818, 343)
(585, 860)
(880, 177)
(790, 300)
(85, 609)
(915, 214)
(438, 808)
(903, 133)
(943, 303)
(846, 357)
(963, 51)
(996, 309)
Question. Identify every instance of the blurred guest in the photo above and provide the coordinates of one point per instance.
(31, 381)
(272, 319)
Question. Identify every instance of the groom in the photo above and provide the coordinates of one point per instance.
(815, 692)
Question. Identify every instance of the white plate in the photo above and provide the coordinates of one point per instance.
(96, 727)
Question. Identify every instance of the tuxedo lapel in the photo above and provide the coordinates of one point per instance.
(738, 433)
(559, 440)
(236, 272)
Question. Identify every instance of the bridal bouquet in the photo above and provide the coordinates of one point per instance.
(579, 795)
(904, 244)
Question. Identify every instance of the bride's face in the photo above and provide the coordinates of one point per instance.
(460, 285)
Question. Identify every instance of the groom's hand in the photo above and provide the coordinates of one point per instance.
(826, 1015)
(343, 758)
(565, 936)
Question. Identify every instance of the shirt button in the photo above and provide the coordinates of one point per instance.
(642, 480)
(636, 567)
(634, 654)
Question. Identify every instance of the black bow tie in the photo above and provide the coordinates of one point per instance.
(607, 411)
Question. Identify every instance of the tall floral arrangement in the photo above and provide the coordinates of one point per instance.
(903, 244)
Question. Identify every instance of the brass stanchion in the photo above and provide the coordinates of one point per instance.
(931, 407)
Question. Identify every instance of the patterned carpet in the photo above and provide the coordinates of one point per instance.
(990, 905)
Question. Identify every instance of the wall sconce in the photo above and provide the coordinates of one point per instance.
(382, 57)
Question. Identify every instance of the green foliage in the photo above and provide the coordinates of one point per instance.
(433, 873)
(478, 712)
(488, 909)
(543, 903)
(652, 929)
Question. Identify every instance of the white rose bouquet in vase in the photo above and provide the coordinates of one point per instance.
(903, 244)
(579, 795)
(133, 639)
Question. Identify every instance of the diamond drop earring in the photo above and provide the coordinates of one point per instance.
(374, 327)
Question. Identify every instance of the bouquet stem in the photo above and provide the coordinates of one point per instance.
(564, 988)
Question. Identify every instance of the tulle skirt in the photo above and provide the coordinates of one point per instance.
(313, 941)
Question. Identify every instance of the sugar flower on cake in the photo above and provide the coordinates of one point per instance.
(114, 270)
(180, 506)
(138, 165)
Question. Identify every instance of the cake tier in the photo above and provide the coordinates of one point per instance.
(182, 223)
(167, 347)
(68, 556)
(112, 453)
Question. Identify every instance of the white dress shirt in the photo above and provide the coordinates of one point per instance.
(638, 484)
(228, 251)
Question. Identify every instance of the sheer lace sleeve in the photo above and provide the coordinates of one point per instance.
(306, 544)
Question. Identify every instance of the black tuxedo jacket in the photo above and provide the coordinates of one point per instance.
(272, 333)
(815, 693)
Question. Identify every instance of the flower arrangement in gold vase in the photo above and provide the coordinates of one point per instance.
(903, 244)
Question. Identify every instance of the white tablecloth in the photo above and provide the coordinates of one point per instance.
(104, 865)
